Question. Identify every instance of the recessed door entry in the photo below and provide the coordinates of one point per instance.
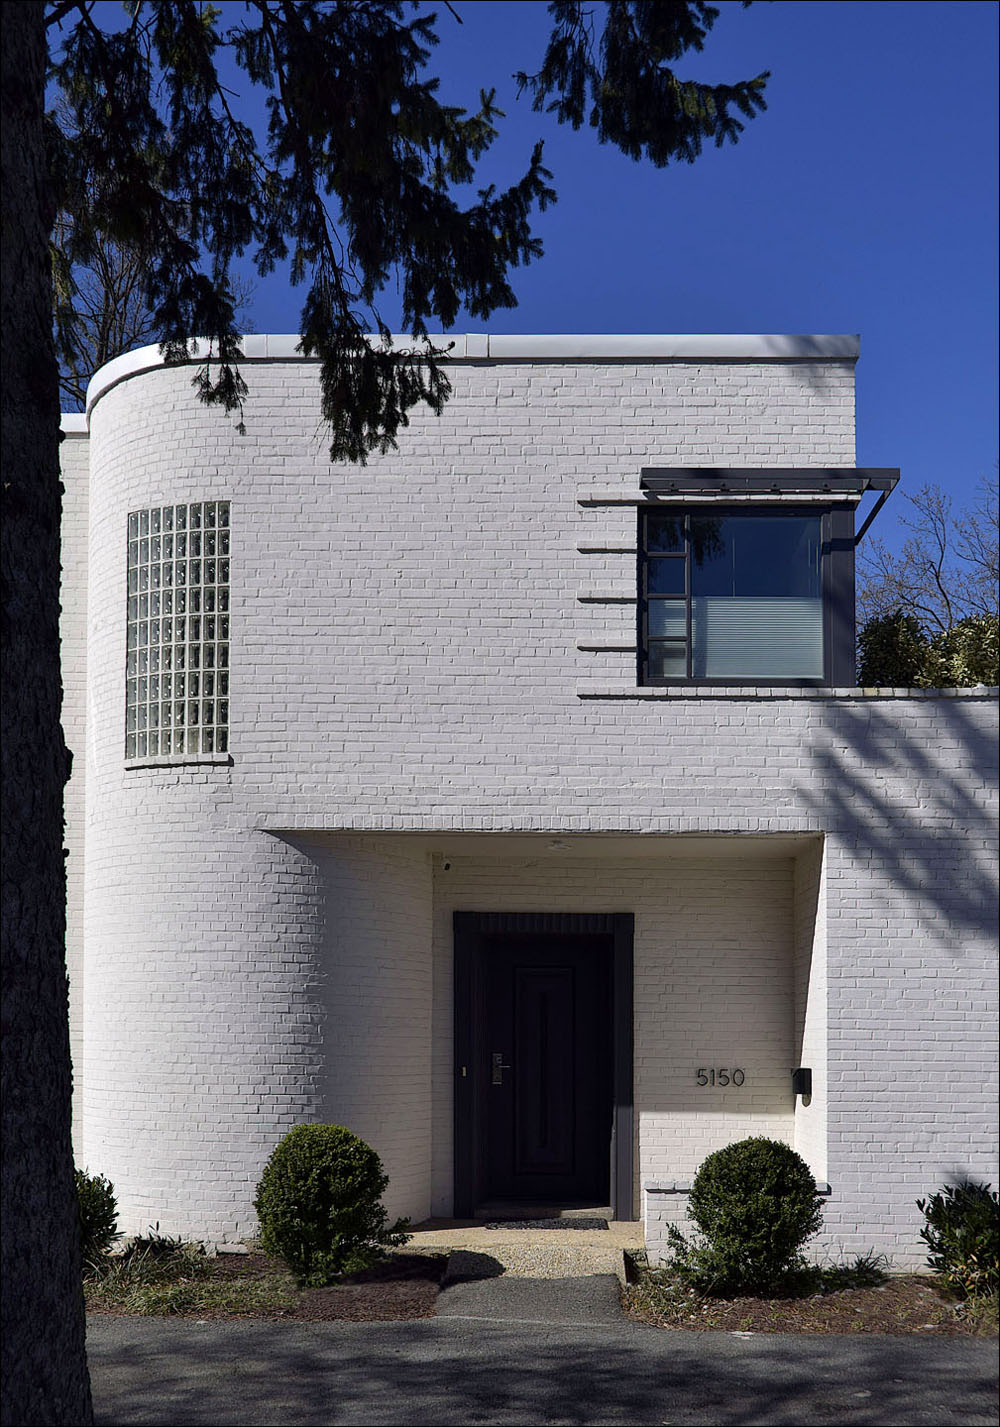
(543, 1039)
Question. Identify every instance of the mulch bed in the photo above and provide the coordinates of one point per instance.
(404, 1286)
(903, 1305)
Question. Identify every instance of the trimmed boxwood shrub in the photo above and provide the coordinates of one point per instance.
(962, 1233)
(756, 1204)
(98, 1207)
(319, 1204)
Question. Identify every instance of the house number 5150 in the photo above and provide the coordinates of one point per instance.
(720, 1077)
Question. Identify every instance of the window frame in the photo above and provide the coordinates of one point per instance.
(196, 654)
(836, 586)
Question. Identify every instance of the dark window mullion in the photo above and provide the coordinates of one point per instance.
(647, 641)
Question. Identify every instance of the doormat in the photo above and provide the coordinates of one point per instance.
(582, 1223)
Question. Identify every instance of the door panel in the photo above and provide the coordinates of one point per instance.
(548, 1082)
(544, 1101)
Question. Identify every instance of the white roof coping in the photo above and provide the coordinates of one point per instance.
(684, 347)
(530, 347)
(74, 423)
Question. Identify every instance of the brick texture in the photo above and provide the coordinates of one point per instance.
(270, 941)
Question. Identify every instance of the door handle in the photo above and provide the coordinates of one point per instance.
(498, 1067)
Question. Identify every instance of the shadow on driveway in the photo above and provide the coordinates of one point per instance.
(442, 1371)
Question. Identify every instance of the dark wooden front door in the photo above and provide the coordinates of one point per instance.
(550, 995)
(548, 1043)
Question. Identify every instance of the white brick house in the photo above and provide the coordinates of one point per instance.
(524, 818)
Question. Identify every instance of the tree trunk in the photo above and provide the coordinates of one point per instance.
(44, 1364)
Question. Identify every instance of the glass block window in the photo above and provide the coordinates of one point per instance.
(177, 649)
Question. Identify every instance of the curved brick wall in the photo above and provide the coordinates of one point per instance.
(202, 1017)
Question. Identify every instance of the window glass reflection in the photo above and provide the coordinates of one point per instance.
(756, 556)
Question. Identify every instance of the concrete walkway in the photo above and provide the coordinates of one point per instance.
(581, 1301)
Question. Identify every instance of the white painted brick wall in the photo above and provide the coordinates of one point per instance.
(375, 984)
(74, 469)
(204, 1014)
(811, 1011)
(713, 984)
(404, 659)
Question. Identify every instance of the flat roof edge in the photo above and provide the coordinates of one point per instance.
(566, 347)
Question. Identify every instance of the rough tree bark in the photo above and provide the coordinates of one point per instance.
(44, 1364)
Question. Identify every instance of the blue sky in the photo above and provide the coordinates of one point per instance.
(863, 200)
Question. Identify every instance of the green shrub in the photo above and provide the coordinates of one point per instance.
(98, 1207)
(965, 655)
(962, 1233)
(756, 1204)
(892, 651)
(319, 1206)
(895, 651)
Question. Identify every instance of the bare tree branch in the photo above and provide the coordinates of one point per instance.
(948, 566)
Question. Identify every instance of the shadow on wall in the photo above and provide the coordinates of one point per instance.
(815, 368)
(916, 798)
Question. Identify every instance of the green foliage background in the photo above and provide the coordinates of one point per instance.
(895, 652)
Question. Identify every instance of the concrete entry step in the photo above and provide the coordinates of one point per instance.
(579, 1223)
(478, 1252)
(519, 1211)
(441, 1234)
(537, 1259)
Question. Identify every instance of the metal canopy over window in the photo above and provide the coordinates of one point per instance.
(765, 480)
(778, 483)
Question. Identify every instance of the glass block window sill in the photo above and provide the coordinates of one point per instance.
(187, 760)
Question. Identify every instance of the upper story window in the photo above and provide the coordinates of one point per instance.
(732, 594)
(177, 647)
(746, 574)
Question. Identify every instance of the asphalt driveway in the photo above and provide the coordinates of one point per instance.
(464, 1368)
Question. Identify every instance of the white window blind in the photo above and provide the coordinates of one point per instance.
(766, 638)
